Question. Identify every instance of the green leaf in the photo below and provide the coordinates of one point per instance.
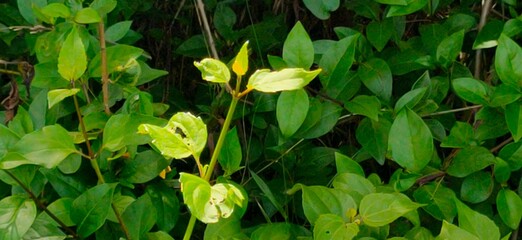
(166, 203)
(292, 107)
(148, 74)
(320, 119)
(377, 77)
(268, 194)
(449, 48)
(508, 58)
(410, 141)
(72, 60)
(470, 160)
(476, 223)
(512, 154)
(392, 2)
(410, 99)
(439, 201)
(240, 65)
(319, 200)
(139, 217)
(228, 228)
(508, 206)
(86, 16)
(46, 147)
(144, 167)
(117, 57)
(90, 209)
(373, 136)
(461, 136)
(379, 209)
(345, 164)
(209, 203)
(356, 185)
(379, 33)
(487, 37)
(501, 170)
(322, 8)
(57, 95)
(333, 227)
(56, 10)
(61, 208)
(472, 90)
(103, 6)
(477, 187)
(298, 50)
(280, 231)
(184, 135)
(513, 115)
(230, 156)
(26, 9)
(8, 139)
(411, 6)
(504, 95)
(450, 231)
(287, 79)
(336, 63)
(117, 31)
(213, 70)
(122, 130)
(369, 106)
(17, 213)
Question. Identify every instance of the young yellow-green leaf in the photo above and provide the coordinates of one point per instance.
(509, 207)
(87, 15)
(213, 70)
(476, 223)
(240, 65)
(287, 79)
(209, 203)
(17, 213)
(184, 135)
(450, 231)
(379, 209)
(57, 95)
(411, 141)
(333, 227)
(72, 60)
(55, 10)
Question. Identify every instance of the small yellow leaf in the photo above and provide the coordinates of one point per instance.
(240, 65)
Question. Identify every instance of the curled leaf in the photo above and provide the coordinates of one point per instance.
(213, 70)
(287, 79)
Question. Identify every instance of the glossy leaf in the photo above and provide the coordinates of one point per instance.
(513, 115)
(336, 63)
(322, 8)
(476, 223)
(504, 94)
(450, 231)
(508, 206)
(117, 31)
(379, 33)
(410, 99)
(52, 141)
(487, 37)
(8, 139)
(333, 227)
(17, 213)
(410, 141)
(379, 209)
(471, 90)
(72, 60)
(319, 200)
(292, 107)
(90, 209)
(287, 79)
(298, 50)
(184, 135)
(61, 208)
(240, 65)
(449, 48)
(411, 6)
(507, 59)
(477, 187)
(376, 76)
(139, 217)
(231, 155)
(213, 70)
(470, 160)
(87, 15)
(373, 136)
(56, 10)
(209, 203)
(57, 95)
(345, 164)
(369, 106)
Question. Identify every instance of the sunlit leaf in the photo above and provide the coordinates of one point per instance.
(17, 213)
(57, 95)
(72, 60)
(240, 65)
(87, 15)
(476, 223)
(286, 79)
(333, 227)
(213, 70)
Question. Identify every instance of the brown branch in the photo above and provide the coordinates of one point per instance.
(206, 26)
(478, 54)
(104, 74)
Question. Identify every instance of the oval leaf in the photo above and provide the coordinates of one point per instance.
(230, 156)
(57, 95)
(240, 65)
(87, 15)
(377, 77)
(117, 31)
(213, 70)
(379, 209)
(509, 208)
(284, 80)
(17, 214)
(470, 160)
(333, 227)
(298, 50)
(508, 59)
(291, 110)
(471, 90)
(72, 60)
(90, 209)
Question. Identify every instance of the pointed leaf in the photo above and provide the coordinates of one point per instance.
(470, 160)
(322, 8)
(410, 141)
(379, 209)
(377, 77)
(461, 136)
(57, 95)
(230, 156)
(373, 136)
(471, 90)
(508, 58)
(345, 164)
(122, 130)
(291, 110)
(508, 206)
(476, 223)
(411, 6)
(139, 217)
(333, 227)
(90, 209)
(17, 214)
(513, 115)
(72, 60)
(379, 33)
(213, 70)
(439, 201)
(287, 79)
(240, 65)
(298, 50)
(117, 31)
(450, 231)
(449, 48)
(369, 106)
(87, 15)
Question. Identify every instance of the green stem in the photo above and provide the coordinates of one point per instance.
(213, 160)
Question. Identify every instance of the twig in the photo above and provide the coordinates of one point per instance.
(502, 144)
(452, 111)
(200, 7)
(104, 74)
(42, 206)
(478, 54)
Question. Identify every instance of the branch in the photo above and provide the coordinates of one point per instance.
(203, 16)
(105, 75)
(478, 54)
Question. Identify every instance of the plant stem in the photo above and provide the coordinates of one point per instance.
(94, 163)
(200, 8)
(5, 71)
(452, 111)
(42, 206)
(104, 74)
(478, 54)
(213, 160)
